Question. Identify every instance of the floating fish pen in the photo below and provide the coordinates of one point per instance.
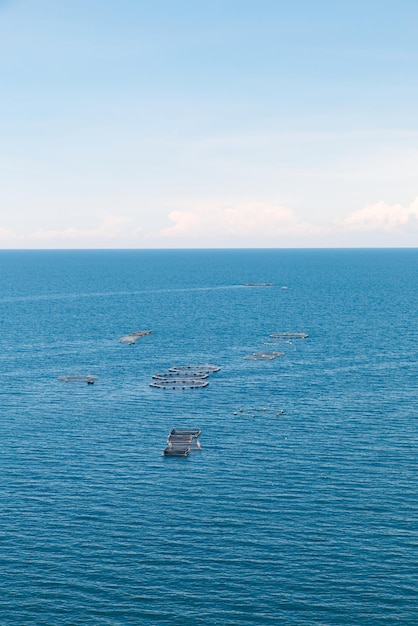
(180, 451)
(181, 441)
(180, 380)
(178, 441)
(175, 383)
(194, 432)
(184, 377)
(208, 369)
(182, 374)
(77, 378)
(133, 337)
(289, 335)
(256, 356)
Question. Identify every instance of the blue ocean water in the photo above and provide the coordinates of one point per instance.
(303, 517)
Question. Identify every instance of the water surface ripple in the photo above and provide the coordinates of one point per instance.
(303, 517)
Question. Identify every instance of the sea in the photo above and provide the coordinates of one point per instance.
(301, 508)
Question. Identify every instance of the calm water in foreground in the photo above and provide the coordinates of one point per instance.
(306, 517)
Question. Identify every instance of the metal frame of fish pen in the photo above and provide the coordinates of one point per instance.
(183, 451)
(175, 441)
(195, 432)
(208, 369)
(179, 384)
(181, 441)
(289, 335)
(173, 375)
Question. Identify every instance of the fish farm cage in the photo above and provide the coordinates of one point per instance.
(181, 441)
(79, 378)
(183, 377)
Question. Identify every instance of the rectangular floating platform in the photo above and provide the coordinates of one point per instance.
(256, 356)
(178, 441)
(180, 451)
(194, 432)
(206, 368)
(133, 337)
(289, 335)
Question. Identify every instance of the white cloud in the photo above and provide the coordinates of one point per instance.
(5, 234)
(381, 216)
(234, 224)
(240, 221)
(112, 228)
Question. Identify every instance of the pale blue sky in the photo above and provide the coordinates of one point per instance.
(187, 124)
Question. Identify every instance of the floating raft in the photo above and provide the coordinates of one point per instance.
(194, 432)
(178, 441)
(256, 356)
(180, 380)
(184, 377)
(289, 335)
(180, 451)
(78, 378)
(181, 441)
(176, 383)
(182, 374)
(133, 337)
(208, 369)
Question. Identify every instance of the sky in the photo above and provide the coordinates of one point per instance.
(208, 124)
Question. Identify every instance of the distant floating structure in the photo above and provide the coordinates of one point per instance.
(179, 383)
(191, 441)
(184, 377)
(79, 378)
(258, 285)
(195, 432)
(206, 368)
(181, 441)
(179, 374)
(256, 356)
(289, 335)
(180, 451)
(133, 337)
